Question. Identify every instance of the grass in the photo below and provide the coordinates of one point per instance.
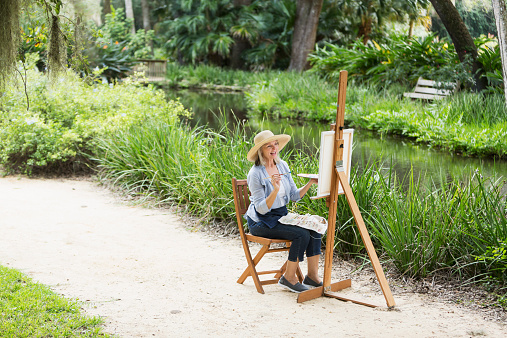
(208, 76)
(467, 123)
(29, 309)
(420, 228)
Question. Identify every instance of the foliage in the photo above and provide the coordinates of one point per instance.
(58, 132)
(208, 29)
(293, 95)
(465, 123)
(403, 60)
(420, 229)
(398, 60)
(34, 35)
(116, 48)
(45, 29)
(203, 33)
(495, 258)
(444, 125)
(30, 309)
(477, 15)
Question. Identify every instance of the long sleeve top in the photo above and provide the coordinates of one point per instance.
(260, 188)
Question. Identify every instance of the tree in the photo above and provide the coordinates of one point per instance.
(9, 38)
(500, 11)
(461, 38)
(129, 12)
(107, 7)
(305, 33)
(145, 6)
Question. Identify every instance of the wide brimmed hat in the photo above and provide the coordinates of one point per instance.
(264, 137)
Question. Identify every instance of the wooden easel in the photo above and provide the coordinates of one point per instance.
(339, 176)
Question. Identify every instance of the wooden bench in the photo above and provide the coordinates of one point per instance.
(155, 70)
(432, 90)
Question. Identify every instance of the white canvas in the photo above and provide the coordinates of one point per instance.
(326, 165)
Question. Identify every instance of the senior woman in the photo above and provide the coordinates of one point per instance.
(272, 187)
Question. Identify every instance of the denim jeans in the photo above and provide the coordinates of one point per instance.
(303, 240)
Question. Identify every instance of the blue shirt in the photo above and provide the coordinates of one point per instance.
(260, 188)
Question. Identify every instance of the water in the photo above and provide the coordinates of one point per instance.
(399, 154)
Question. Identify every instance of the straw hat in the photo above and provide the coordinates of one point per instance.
(264, 137)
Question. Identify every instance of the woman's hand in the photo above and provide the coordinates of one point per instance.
(313, 181)
(275, 180)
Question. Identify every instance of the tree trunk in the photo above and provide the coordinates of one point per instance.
(240, 44)
(146, 15)
(129, 12)
(107, 7)
(463, 42)
(365, 29)
(500, 11)
(305, 33)
(411, 28)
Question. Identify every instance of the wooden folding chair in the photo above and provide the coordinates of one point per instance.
(241, 203)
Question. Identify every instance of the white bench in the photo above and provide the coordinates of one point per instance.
(432, 90)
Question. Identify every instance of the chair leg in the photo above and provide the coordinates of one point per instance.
(250, 270)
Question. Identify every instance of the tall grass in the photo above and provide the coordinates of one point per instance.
(421, 229)
(466, 123)
(204, 76)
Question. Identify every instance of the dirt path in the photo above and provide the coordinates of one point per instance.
(147, 275)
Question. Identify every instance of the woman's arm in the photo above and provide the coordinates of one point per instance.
(258, 189)
(307, 186)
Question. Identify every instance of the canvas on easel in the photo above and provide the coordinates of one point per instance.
(326, 165)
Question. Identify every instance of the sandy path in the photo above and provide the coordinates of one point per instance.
(147, 275)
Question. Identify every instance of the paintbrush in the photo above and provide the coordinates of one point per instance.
(268, 178)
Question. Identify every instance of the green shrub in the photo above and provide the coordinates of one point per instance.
(116, 49)
(402, 60)
(58, 132)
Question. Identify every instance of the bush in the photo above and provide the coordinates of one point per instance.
(58, 131)
(116, 48)
(402, 60)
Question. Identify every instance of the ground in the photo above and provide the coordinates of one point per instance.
(147, 273)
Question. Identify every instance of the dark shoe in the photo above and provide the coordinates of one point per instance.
(297, 288)
(309, 282)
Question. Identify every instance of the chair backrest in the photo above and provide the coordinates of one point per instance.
(241, 201)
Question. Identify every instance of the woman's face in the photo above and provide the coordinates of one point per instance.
(270, 151)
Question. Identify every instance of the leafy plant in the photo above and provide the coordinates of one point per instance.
(58, 133)
(116, 49)
(403, 60)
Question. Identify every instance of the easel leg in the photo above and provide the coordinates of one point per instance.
(366, 239)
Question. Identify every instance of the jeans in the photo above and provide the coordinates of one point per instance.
(303, 240)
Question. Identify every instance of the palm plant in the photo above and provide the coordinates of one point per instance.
(202, 34)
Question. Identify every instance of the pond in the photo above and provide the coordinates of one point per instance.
(399, 154)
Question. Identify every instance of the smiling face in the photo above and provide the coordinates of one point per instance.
(270, 151)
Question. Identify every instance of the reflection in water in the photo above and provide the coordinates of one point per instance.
(399, 154)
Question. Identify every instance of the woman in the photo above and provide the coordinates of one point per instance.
(272, 187)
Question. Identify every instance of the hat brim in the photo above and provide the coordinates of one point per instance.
(282, 139)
